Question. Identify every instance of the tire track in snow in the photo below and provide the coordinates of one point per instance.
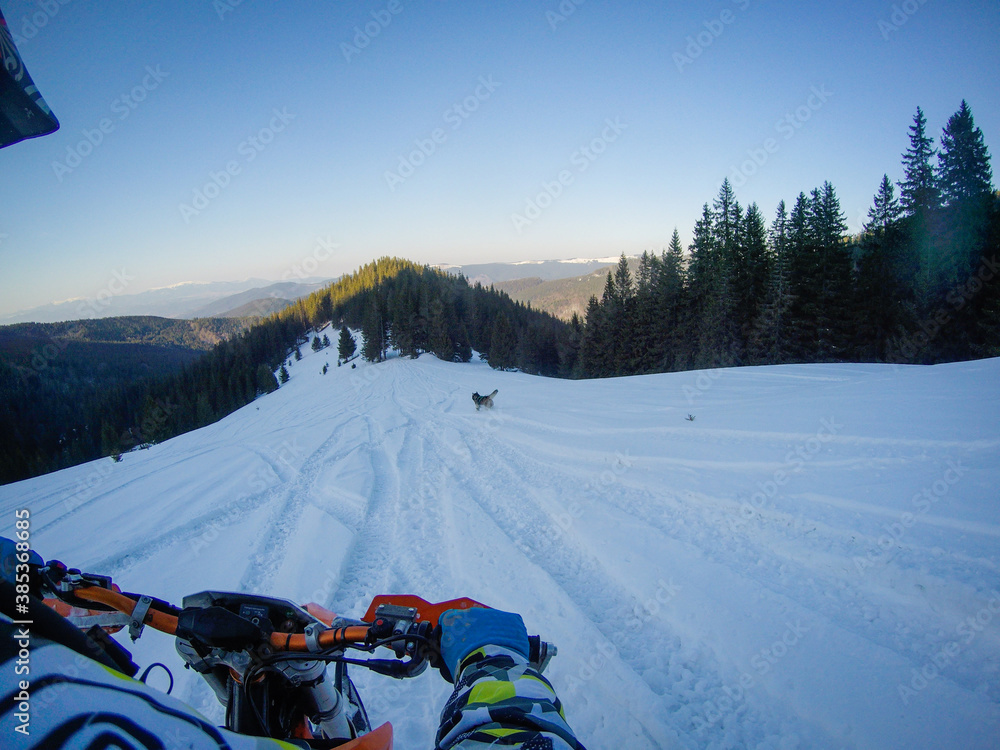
(769, 550)
(295, 495)
(367, 568)
(217, 521)
(398, 546)
(600, 597)
(79, 504)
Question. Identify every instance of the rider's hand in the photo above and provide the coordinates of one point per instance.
(465, 630)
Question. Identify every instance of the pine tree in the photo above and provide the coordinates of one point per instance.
(920, 197)
(403, 323)
(373, 331)
(752, 275)
(503, 344)
(919, 192)
(283, 375)
(622, 318)
(700, 278)
(717, 326)
(594, 343)
(834, 298)
(646, 341)
(770, 342)
(964, 170)
(883, 307)
(266, 382)
(316, 344)
(669, 295)
(203, 409)
(438, 332)
(967, 187)
(463, 349)
(885, 211)
(727, 215)
(346, 346)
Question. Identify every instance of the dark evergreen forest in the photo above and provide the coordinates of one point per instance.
(918, 285)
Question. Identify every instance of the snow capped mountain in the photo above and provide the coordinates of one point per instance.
(548, 270)
(780, 557)
(188, 299)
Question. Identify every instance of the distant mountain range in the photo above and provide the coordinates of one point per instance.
(560, 287)
(547, 270)
(217, 299)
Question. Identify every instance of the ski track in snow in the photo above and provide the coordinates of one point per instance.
(698, 578)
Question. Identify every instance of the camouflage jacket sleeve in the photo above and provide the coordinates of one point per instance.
(501, 701)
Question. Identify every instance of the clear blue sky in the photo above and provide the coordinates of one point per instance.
(531, 88)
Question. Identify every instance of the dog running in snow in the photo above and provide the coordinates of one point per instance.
(486, 401)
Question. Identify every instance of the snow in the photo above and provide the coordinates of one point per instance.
(813, 561)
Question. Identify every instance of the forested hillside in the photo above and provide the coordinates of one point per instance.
(918, 285)
(53, 374)
(83, 402)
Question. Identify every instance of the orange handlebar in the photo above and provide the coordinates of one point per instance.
(168, 623)
(154, 618)
(327, 639)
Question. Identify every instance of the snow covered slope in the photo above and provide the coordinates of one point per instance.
(813, 561)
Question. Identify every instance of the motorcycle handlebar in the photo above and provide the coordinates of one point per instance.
(422, 616)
